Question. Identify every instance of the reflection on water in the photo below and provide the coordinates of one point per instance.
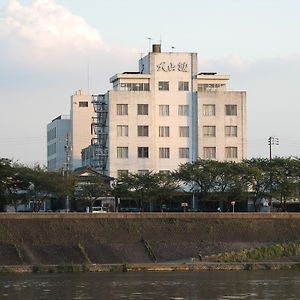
(177, 286)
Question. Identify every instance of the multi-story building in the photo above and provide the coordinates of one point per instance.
(82, 113)
(167, 114)
(68, 136)
(57, 135)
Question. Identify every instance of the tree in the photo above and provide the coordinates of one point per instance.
(140, 187)
(90, 190)
(6, 171)
(230, 184)
(16, 186)
(257, 174)
(149, 190)
(285, 179)
(166, 187)
(43, 184)
(200, 175)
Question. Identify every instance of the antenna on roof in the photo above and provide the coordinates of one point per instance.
(150, 42)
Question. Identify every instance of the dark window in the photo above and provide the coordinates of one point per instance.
(143, 152)
(231, 110)
(183, 86)
(142, 109)
(163, 85)
(83, 104)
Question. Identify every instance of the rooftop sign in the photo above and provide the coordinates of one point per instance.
(171, 67)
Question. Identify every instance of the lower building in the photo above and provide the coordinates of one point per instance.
(57, 134)
(67, 136)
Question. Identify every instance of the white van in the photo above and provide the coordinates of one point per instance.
(99, 209)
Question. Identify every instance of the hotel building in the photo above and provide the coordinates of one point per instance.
(166, 114)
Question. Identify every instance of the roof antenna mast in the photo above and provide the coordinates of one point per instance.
(150, 42)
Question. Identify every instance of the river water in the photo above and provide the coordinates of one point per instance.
(169, 285)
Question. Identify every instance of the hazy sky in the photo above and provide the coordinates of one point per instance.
(46, 46)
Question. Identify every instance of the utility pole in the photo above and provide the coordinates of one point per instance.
(68, 149)
(271, 142)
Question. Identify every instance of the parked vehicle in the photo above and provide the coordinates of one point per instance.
(99, 209)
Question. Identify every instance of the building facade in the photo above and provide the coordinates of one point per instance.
(67, 136)
(57, 134)
(167, 114)
(82, 114)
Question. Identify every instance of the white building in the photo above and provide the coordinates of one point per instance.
(57, 132)
(82, 113)
(167, 114)
(78, 125)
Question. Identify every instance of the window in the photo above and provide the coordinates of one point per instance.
(142, 109)
(122, 109)
(183, 131)
(211, 87)
(143, 152)
(163, 85)
(183, 86)
(231, 152)
(184, 152)
(83, 104)
(230, 130)
(164, 131)
(122, 152)
(51, 149)
(209, 152)
(183, 110)
(231, 110)
(209, 110)
(134, 87)
(164, 110)
(143, 130)
(122, 173)
(122, 130)
(143, 172)
(209, 130)
(51, 134)
(164, 152)
(51, 164)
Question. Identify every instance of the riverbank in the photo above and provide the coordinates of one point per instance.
(158, 267)
(151, 240)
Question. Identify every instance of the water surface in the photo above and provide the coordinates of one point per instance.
(169, 285)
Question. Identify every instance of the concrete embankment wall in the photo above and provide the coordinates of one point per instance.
(79, 238)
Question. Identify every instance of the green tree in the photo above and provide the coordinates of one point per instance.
(16, 186)
(257, 174)
(201, 176)
(285, 179)
(90, 190)
(44, 184)
(167, 186)
(230, 184)
(149, 190)
(6, 171)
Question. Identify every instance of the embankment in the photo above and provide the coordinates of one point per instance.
(116, 238)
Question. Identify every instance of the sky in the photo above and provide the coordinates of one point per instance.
(48, 47)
